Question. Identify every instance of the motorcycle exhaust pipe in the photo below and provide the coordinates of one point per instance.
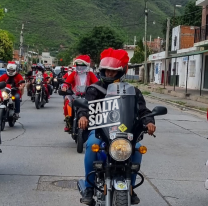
(81, 186)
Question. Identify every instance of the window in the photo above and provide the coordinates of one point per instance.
(192, 68)
(45, 61)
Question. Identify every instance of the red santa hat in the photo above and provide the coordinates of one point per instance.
(114, 59)
(82, 59)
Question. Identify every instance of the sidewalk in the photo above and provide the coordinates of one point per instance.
(191, 100)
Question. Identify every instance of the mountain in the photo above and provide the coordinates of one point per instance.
(50, 24)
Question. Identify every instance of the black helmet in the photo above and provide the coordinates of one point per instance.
(116, 60)
(40, 67)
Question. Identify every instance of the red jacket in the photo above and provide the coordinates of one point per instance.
(12, 79)
(72, 79)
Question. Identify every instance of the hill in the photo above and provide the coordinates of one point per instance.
(51, 23)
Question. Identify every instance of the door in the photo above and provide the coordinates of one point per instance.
(206, 73)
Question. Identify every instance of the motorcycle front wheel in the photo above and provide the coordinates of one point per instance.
(120, 198)
(37, 101)
(80, 141)
(2, 120)
(11, 121)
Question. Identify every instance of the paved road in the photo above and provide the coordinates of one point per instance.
(37, 155)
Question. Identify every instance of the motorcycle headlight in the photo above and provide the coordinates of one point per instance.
(38, 87)
(55, 80)
(120, 149)
(5, 95)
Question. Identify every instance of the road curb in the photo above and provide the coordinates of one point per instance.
(177, 105)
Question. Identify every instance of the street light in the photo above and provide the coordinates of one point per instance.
(179, 6)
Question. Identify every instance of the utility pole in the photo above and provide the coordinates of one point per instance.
(21, 43)
(166, 50)
(145, 46)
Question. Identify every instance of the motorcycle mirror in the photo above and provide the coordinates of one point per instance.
(157, 111)
(83, 103)
(2, 85)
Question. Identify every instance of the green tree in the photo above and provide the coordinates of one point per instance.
(1, 13)
(66, 56)
(100, 38)
(192, 15)
(6, 46)
(139, 53)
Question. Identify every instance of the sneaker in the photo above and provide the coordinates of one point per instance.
(134, 199)
(87, 197)
(66, 129)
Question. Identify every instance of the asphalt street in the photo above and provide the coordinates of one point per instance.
(39, 159)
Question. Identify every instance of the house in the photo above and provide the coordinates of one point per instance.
(47, 59)
(201, 41)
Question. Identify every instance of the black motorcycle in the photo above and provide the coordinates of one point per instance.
(7, 107)
(118, 126)
(40, 94)
(76, 133)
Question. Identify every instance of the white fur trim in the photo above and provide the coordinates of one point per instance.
(81, 60)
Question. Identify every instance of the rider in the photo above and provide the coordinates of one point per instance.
(82, 63)
(50, 79)
(69, 71)
(113, 68)
(41, 69)
(12, 79)
(29, 75)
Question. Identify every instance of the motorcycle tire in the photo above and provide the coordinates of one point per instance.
(80, 141)
(2, 121)
(119, 198)
(37, 101)
(11, 122)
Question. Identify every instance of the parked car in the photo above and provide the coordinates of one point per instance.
(2, 71)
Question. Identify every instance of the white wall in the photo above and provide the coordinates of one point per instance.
(131, 71)
(176, 32)
(159, 66)
(130, 53)
(194, 73)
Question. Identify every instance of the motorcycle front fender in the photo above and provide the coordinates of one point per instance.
(119, 184)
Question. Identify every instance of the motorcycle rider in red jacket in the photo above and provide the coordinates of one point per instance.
(77, 78)
(12, 79)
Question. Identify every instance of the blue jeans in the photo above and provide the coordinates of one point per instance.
(17, 103)
(91, 156)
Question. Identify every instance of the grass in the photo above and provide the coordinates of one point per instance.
(178, 102)
(146, 92)
(202, 109)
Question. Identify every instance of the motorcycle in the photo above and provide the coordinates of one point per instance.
(40, 95)
(78, 93)
(118, 126)
(55, 84)
(7, 107)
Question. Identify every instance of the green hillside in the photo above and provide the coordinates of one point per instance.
(51, 23)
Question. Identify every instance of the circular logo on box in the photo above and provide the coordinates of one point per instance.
(114, 116)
